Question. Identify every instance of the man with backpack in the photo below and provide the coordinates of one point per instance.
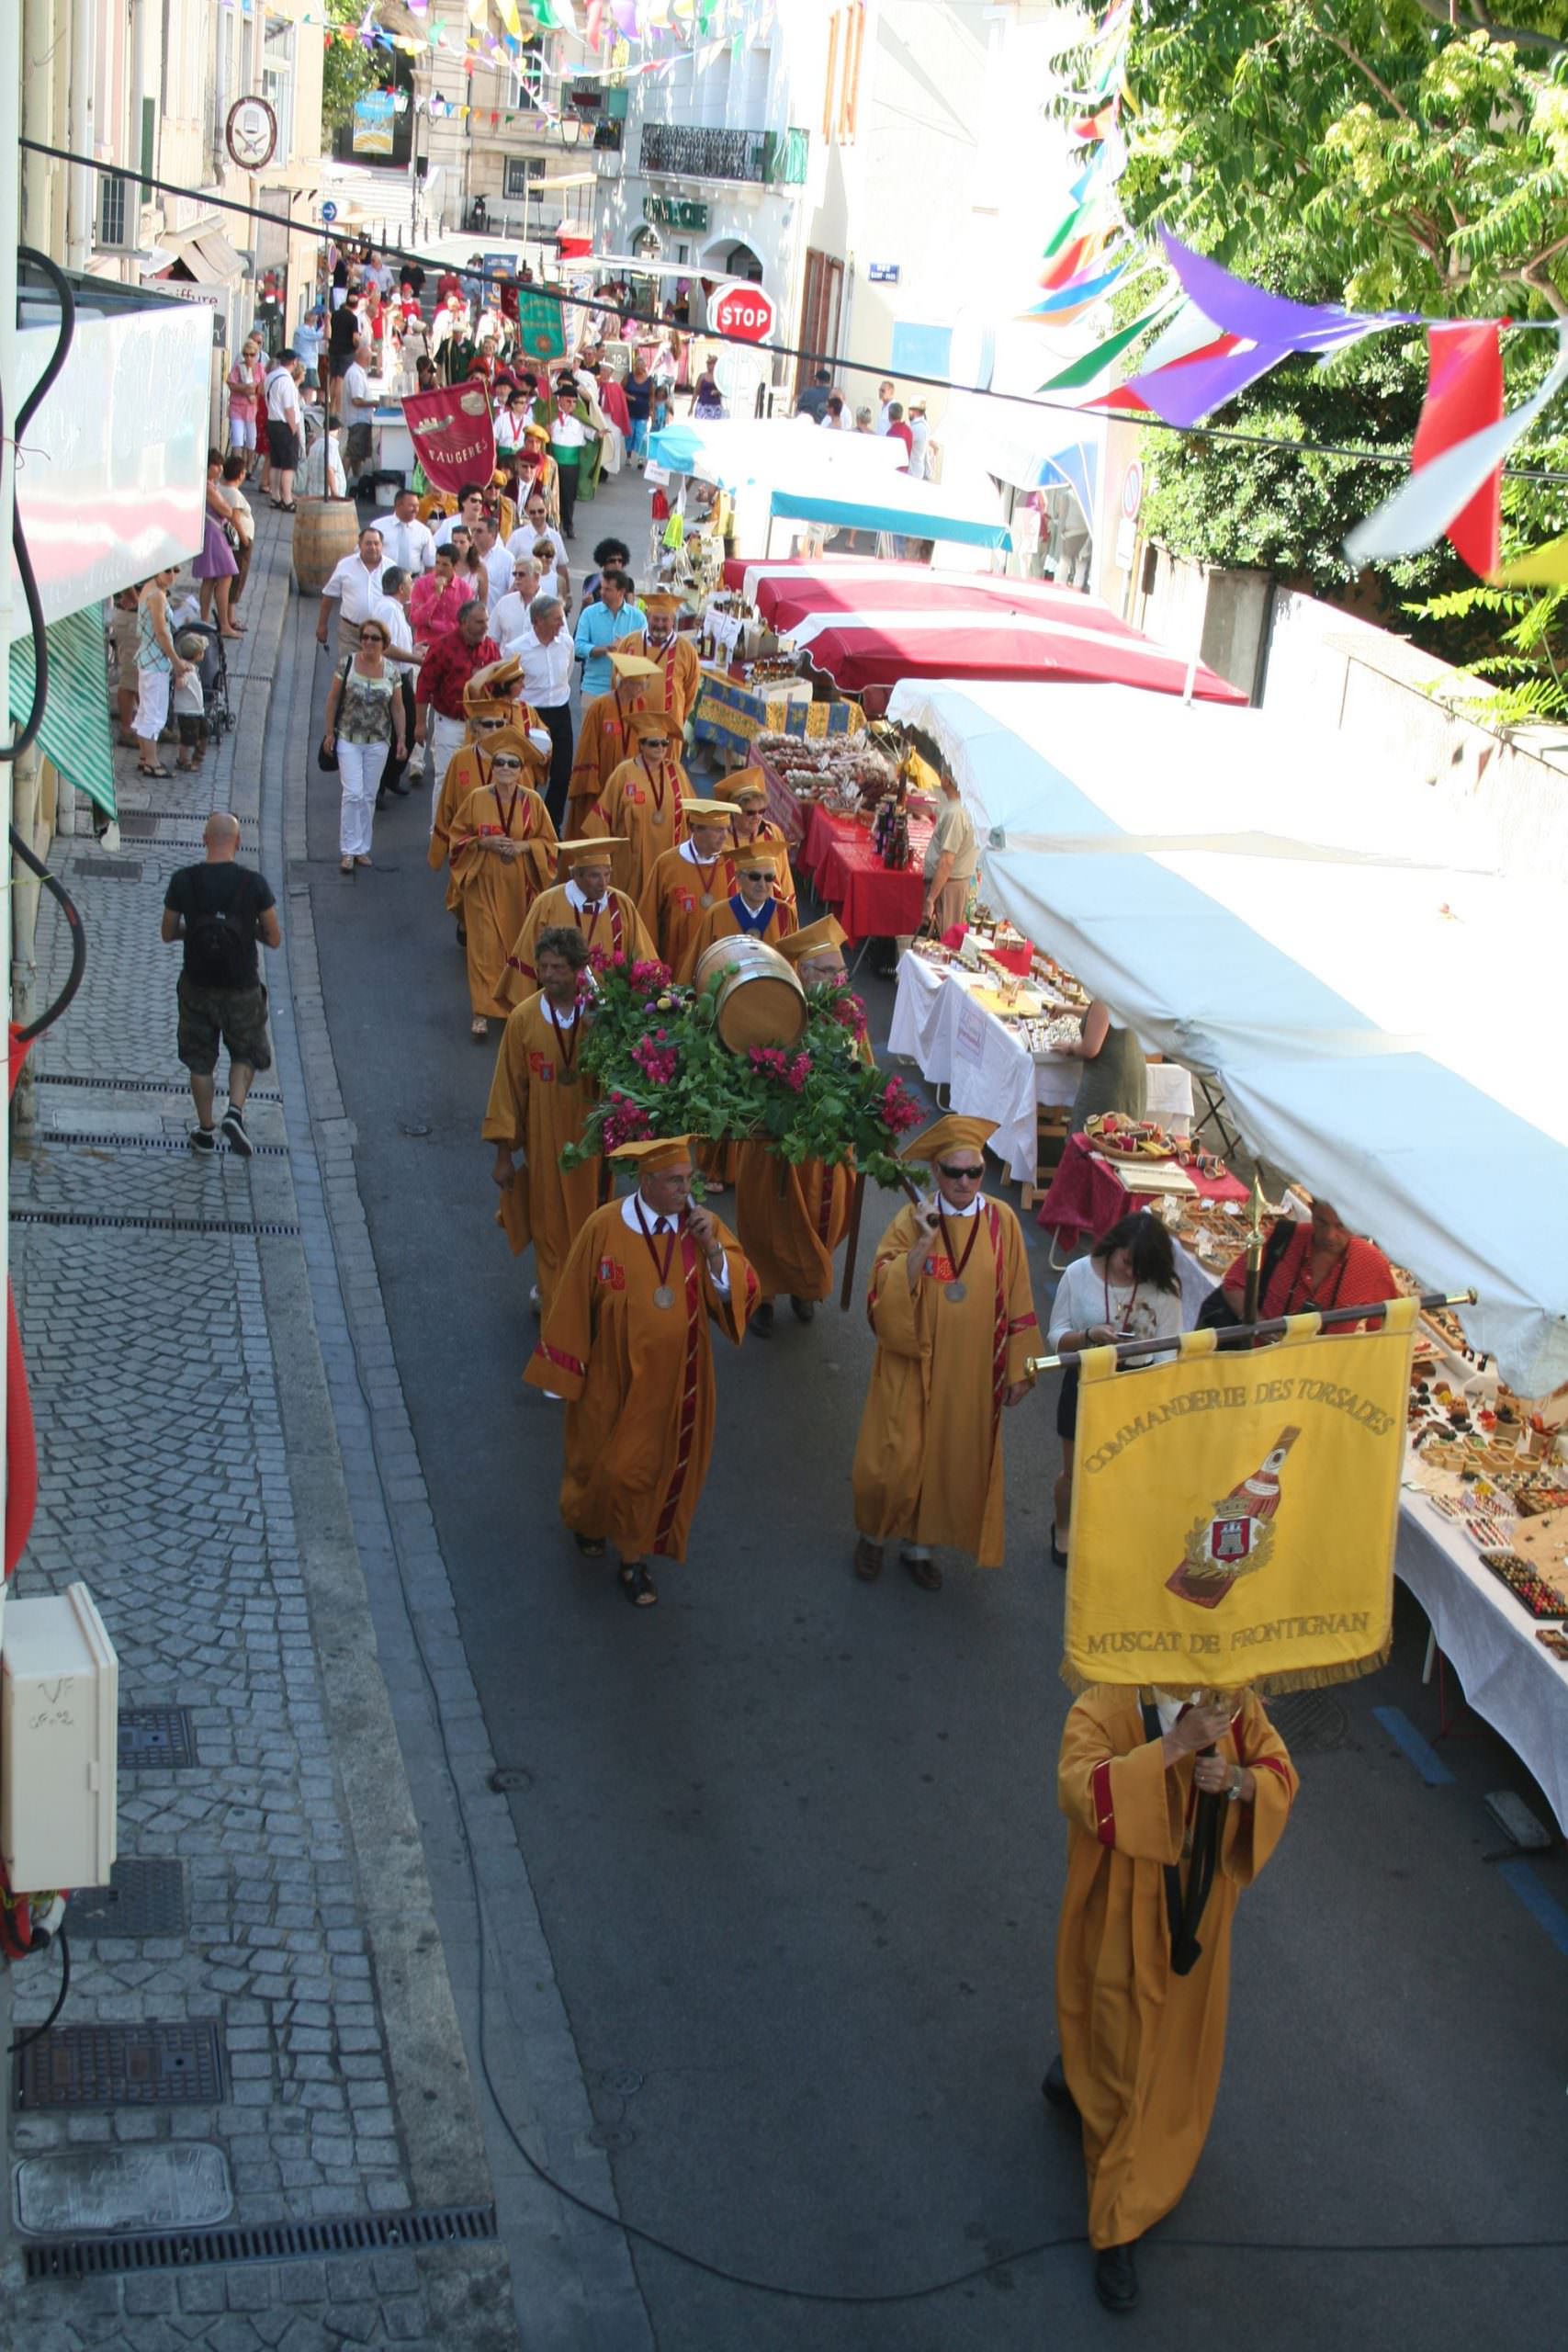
(220, 910)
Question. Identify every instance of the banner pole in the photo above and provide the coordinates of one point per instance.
(1127, 1350)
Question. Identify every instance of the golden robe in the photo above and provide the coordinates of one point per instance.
(603, 740)
(616, 930)
(647, 806)
(1141, 2048)
(680, 682)
(927, 1466)
(497, 891)
(538, 1102)
(720, 922)
(676, 896)
(790, 1220)
(467, 770)
(638, 1379)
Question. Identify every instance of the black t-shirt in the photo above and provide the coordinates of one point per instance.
(342, 334)
(238, 896)
(813, 401)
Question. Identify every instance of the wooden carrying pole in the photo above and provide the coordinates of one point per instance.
(852, 1239)
(1127, 1351)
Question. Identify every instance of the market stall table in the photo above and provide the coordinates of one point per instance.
(1089, 1193)
(730, 715)
(871, 900)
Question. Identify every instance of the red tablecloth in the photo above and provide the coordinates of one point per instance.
(1087, 1196)
(871, 901)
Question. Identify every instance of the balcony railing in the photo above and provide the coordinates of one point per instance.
(689, 151)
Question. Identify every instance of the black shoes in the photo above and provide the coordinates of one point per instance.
(204, 1138)
(803, 1309)
(234, 1130)
(762, 1324)
(1116, 2277)
(1053, 2089)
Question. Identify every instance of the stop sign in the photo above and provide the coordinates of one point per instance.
(743, 309)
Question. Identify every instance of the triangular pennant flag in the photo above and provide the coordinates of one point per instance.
(1546, 566)
(1465, 394)
(1423, 510)
(1084, 372)
(1136, 394)
(1241, 309)
(1068, 300)
(1069, 263)
(1073, 221)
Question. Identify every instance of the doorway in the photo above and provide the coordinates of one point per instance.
(820, 307)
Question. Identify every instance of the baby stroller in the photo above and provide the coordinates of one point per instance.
(213, 671)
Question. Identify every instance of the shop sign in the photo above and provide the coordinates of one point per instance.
(250, 133)
(675, 213)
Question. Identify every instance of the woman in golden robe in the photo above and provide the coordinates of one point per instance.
(603, 734)
(626, 1343)
(490, 700)
(539, 1100)
(1142, 2047)
(950, 1304)
(644, 803)
(749, 794)
(503, 848)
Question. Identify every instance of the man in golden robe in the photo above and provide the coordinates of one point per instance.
(748, 793)
(687, 881)
(951, 1306)
(490, 700)
(539, 1101)
(1142, 2046)
(752, 910)
(644, 802)
(626, 1343)
(603, 735)
(674, 657)
(504, 850)
(584, 901)
(791, 1217)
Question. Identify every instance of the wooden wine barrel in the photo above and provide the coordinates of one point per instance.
(324, 530)
(760, 1003)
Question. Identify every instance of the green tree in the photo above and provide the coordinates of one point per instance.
(346, 72)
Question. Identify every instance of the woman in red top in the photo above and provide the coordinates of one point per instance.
(1323, 1264)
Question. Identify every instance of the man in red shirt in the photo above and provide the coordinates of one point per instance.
(447, 666)
(898, 431)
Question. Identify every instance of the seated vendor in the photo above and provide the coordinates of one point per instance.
(1322, 1264)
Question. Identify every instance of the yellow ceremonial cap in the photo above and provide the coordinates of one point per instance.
(496, 677)
(594, 850)
(661, 601)
(716, 812)
(518, 740)
(954, 1132)
(536, 433)
(816, 939)
(632, 665)
(652, 722)
(655, 1153)
(765, 845)
(745, 784)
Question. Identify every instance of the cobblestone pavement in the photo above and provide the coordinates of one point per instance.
(189, 1472)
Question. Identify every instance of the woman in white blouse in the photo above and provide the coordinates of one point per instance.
(1127, 1288)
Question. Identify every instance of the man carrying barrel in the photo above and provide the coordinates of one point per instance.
(752, 912)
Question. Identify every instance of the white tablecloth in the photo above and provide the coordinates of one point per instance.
(991, 1074)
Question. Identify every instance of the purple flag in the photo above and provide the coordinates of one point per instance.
(1190, 390)
(1237, 307)
(624, 14)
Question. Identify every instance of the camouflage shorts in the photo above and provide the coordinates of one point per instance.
(238, 1016)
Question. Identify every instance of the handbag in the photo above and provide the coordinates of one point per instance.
(1217, 1313)
(327, 761)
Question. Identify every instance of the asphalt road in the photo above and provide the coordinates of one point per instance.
(796, 1845)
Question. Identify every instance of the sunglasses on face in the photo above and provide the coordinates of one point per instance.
(959, 1175)
(506, 760)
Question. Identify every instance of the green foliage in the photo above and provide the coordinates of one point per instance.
(346, 73)
(660, 1067)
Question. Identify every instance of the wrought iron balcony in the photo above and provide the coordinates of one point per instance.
(690, 150)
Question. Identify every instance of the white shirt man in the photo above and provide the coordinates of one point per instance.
(405, 540)
(283, 398)
(389, 612)
(524, 542)
(919, 445)
(355, 586)
(468, 514)
(547, 669)
(509, 613)
(358, 400)
(498, 564)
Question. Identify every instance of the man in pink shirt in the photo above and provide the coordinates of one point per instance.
(438, 597)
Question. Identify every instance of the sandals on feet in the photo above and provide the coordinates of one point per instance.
(637, 1585)
(141, 769)
(926, 1573)
(868, 1559)
(478, 1028)
(590, 1547)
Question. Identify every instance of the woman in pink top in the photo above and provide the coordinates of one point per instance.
(247, 380)
(437, 599)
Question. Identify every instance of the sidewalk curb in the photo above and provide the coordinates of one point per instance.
(403, 1707)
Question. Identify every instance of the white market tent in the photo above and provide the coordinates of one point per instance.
(1373, 995)
(846, 481)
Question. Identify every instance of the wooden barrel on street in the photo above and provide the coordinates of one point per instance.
(324, 530)
(760, 1002)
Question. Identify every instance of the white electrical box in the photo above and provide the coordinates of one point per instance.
(59, 1743)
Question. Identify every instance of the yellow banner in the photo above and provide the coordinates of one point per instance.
(1233, 1515)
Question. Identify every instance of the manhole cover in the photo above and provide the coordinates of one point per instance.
(140, 1899)
(71, 2190)
(509, 1778)
(121, 2065)
(160, 1735)
(1309, 1721)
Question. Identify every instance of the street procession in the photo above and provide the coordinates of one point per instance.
(787, 1239)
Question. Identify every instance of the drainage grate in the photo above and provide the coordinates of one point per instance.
(161, 1736)
(153, 1224)
(109, 1084)
(1309, 1722)
(107, 869)
(185, 815)
(140, 1899)
(110, 1141)
(261, 2242)
(121, 2065)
